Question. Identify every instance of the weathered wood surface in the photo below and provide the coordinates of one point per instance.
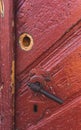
(6, 65)
(56, 29)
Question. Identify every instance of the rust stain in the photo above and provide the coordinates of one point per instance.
(13, 76)
(2, 8)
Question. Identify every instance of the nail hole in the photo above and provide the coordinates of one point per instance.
(26, 42)
(35, 108)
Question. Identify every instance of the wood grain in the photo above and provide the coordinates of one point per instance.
(56, 30)
(6, 67)
(46, 21)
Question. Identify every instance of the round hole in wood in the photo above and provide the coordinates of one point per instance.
(26, 42)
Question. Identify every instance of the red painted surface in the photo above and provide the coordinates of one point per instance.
(55, 27)
(6, 66)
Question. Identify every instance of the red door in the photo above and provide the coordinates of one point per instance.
(48, 54)
(48, 65)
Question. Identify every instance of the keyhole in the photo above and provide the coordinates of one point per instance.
(35, 108)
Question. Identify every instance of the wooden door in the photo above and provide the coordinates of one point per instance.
(48, 51)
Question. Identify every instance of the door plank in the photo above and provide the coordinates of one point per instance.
(6, 65)
(46, 21)
(55, 27)
(63, 62)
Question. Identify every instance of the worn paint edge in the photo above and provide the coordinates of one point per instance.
(13, 88)
(2, 8)
(13, 76)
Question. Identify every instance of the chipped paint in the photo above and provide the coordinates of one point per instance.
(13, 86)
(2, 8)
(1, 87)
(13, 76)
